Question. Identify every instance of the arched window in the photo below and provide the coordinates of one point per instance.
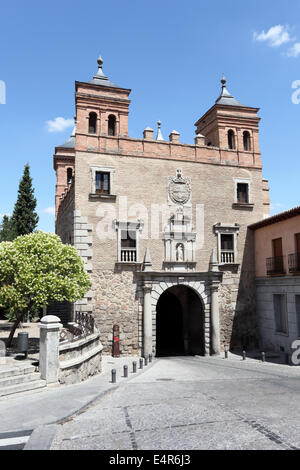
(69, 175)
(111, 125)
(92, 123)
(230, 135)
(246, 140)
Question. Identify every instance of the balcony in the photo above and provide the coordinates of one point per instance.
(294, 263)
(275, 265)
(128, 255)
(227, 257)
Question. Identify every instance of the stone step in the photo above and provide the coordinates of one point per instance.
(17, 379)
(12, 370)
(22, 387)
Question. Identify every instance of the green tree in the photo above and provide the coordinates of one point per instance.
(7, 232)
(37, 270)
(24, 219)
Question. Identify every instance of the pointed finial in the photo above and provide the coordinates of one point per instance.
(223, 81)
(100, 62)
(147, 265)
(159, 134)
(100, 75)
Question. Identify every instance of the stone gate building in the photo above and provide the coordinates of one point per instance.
(162, 225)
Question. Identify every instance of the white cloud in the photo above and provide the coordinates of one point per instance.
(275, 36)
(59, 124)
(49, 210)
(294, 51)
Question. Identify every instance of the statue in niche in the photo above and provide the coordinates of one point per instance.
(179, 252)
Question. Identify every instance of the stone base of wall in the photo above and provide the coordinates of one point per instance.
(238, 318)
(79, 360)
(116, 303)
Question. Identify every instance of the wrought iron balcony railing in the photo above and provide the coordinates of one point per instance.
(275, 265)
(294, 262)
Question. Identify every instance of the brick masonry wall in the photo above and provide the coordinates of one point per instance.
(114, 296)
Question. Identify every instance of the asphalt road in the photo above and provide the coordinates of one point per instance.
(186, 403)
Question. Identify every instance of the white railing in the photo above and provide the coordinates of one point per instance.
(227, 257)
(128, 255)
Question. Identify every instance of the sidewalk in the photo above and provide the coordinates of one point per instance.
(30, 410)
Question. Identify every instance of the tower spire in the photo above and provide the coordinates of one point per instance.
(159, 134)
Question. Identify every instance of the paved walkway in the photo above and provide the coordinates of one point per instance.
(31, 410)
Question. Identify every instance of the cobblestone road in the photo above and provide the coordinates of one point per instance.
(185, 403)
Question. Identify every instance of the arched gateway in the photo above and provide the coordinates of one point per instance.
(180, 322)
(179, 312)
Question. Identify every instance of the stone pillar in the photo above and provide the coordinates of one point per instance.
(49, 344)
(215, 320)
(2, 352)
(147, 321)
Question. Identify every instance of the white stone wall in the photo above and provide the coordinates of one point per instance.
(265, 289)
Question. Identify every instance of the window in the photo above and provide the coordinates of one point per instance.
(92, 123)
(69, 175)
(275, 264)
(102, 182)
(246, 141)
(111, 125)
(231, 143)
(280, 313)
(227, 242)
(242, 193)
(128, 240)
(128, 245)
(227, 248)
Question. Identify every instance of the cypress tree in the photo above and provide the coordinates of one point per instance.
(24, 219)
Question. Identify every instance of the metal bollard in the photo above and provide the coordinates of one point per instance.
(125, 371)
(23, 343)
(146, 361)
(226, 352)
(244, 355)
(113, 376)
(134, 366)
(150, 357)
(141, 363)
(263, 357)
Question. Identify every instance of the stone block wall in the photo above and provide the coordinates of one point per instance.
(79, 360)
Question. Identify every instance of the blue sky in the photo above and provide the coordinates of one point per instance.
(172, 55)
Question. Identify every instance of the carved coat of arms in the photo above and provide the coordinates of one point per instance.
(179, 188)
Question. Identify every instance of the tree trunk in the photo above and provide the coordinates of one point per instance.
(18, 319)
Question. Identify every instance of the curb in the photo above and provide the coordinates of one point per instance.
(41, 438)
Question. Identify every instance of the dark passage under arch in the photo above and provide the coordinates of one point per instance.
(179, 323)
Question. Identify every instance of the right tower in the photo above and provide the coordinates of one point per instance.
(231, 125)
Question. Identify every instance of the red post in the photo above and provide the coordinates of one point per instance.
(116, 341)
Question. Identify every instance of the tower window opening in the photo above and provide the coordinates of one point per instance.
(92, 123)
(69, 175)
(231, 143)
(111, 125)
(246, 140)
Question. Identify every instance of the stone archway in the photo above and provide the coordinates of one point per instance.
(205, 286)
(180, 322)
